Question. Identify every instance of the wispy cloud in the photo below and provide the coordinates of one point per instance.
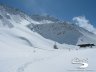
(84, 23)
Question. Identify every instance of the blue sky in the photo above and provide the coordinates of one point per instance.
(63, 9)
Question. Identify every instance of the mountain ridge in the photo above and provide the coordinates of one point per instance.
(62, 32)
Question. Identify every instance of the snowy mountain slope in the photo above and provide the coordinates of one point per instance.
(47, 26)
(26, 45)
(87, 37)
(64, 32)
(44, 18)
(18, 56)
(10, 17)
(13, 28)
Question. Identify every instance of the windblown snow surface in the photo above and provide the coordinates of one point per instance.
(24, 48)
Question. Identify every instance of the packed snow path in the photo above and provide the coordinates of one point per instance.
(59, 62)
(24, 66)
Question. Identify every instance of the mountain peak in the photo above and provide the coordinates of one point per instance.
(38, 17)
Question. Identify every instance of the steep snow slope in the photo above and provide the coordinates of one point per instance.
(14, 31)
(10, 17)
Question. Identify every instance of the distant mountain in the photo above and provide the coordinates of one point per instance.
(48, 28)
(38, 17)
(64, 32)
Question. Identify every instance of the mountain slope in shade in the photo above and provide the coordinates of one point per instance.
(64, 32)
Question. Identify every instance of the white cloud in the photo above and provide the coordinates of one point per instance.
(84, 23)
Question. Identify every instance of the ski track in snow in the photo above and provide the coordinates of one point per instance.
(24, 66)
